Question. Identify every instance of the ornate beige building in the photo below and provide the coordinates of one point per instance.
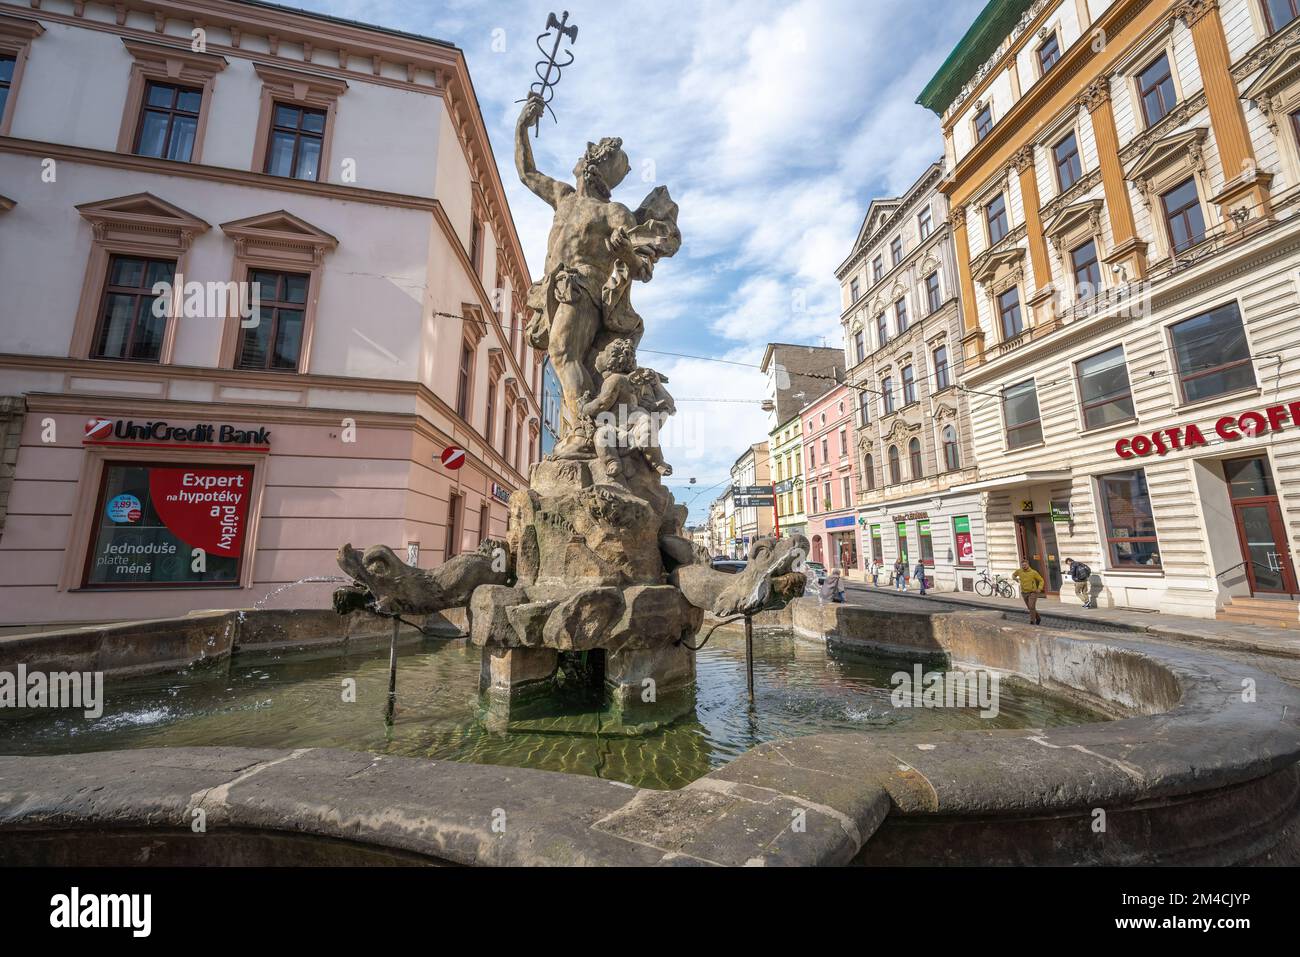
(902, 334)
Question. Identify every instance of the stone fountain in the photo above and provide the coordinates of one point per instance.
(595, 558)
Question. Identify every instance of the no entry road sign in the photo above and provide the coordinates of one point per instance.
(453, 456)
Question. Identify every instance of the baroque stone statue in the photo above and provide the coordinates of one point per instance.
(595, 556)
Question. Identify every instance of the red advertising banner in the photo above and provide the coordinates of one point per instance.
(205, 507)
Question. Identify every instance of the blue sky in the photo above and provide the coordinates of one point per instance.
(773, 124)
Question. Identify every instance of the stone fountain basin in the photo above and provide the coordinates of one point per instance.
(1193, 773)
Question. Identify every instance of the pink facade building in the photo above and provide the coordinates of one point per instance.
(174, 450)
(830, 479)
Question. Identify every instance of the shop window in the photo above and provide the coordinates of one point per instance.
(1065, 156)
(160, 526)
(1104, 389)
(130, 326)
(1130, 525)
(924, 543)
(901, 529)
(169, 121)
(915, 463)
(933, 297)
(1156, 90)
(877, 545)
(1212, 354)
(1020, 406)
(895, 467)
(1183, 216)
(1249, 478)
(963, 544)
(951, 449)
(275, 342)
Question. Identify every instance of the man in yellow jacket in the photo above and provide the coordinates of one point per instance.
(1031, 587)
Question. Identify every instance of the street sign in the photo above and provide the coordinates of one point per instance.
(453, 456)
(753, 490)
(785, 486)
(753, 501)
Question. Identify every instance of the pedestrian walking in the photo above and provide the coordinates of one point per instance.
(1031, 589)
(1081, 574)
(919, 574)
(900, 575)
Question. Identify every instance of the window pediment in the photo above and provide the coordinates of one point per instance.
(279, 235)
(142, 217)
(175, 63)
(1270, 89)
(1179, 152)
(998, 264)
(1071, 218)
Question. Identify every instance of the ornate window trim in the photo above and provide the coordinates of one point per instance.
(281, 241)
(137, 225)
(1165, 164)
(295, 87)
(16, 36)
(167, 64)
(1276, 93)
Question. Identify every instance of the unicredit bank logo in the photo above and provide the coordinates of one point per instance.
(102, 431)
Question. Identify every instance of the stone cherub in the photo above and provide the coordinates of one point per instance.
(623, 426)
(595, 249)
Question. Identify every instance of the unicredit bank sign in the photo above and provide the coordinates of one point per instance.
(1230, 428)
(102, 431)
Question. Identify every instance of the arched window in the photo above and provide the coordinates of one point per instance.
(895, 472)
(951, 451)
(914, 455)
(870, 469)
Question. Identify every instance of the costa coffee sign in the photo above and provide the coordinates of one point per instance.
(101, 431)
(1230, 428)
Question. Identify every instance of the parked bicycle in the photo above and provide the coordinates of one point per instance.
(987, 586)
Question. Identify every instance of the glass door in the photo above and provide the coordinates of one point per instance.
(1037, 539)
(1260, 527)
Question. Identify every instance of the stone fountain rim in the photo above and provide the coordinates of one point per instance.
(844, 783)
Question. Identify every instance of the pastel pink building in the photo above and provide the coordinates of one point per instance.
(830, 479)
(165, 454)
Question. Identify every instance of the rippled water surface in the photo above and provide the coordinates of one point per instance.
(801, 688)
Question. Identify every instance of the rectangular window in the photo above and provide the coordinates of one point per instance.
(900, 316)
(484, 522)
(826, 489)
(1104, 389)
(128, 325)
(1295, 122)
(297, 139)
(864, 403)
(1130, 524)
(145, 530)
(1049, 51)
(901, 530)
(1009, 313)
(932, 295)
(7, 64)
(941, 380)
(490, 423)
(1156, 90)
(812, 456)
(887, 394)
(1183, 215)
(1065, 155)
(859, 343)
(963, 545)
(455, 504)
(1087, 271)
(1020, 406)
(882, 329)
(925, 542)
(1280, 13)
(983, 123)
(169, 119)
(896, 250)
(995, 214)
(464, 376)
(877, 546)
(844, 442)
(854, 291)
(826, 451)
(1212, 354)
(924, 223)
(877, 269)
(909, 385)
(276, 341)
(814, 499)
(848, 491)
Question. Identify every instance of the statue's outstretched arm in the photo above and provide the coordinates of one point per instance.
(548, 189)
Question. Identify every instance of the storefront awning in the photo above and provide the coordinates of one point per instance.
(1010, 481)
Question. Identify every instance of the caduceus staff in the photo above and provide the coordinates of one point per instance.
(548, 69)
